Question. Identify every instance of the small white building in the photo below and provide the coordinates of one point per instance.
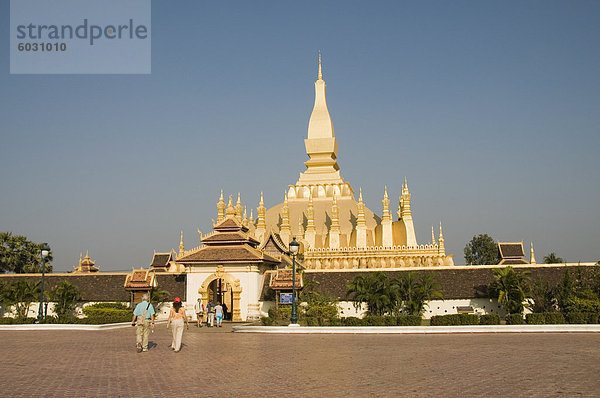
(230, 268)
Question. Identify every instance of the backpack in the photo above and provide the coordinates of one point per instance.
(141, 318)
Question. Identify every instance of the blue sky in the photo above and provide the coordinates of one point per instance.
(490, 109)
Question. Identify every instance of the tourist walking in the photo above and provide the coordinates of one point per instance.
(177, 317)
(219, 314)
(143, 320)
(199, 309)
(210, 314)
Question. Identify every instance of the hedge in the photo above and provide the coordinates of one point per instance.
(455, 320)
(106, 315)
(489, 319)
(554, 318)
(535, 319)
(515, 319)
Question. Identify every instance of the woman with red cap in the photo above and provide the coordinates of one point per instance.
(177, 317)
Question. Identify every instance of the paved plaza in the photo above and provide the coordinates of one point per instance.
(218, 363)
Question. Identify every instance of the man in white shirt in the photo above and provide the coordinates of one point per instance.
(199, 309)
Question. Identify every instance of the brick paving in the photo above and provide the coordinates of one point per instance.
(218, 363)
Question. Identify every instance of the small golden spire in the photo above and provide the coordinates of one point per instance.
(320, 76)
(532, 255)
(181, 247)
(432, 236)
(360, 199)
(441, 248)
(262, 202)
(80, 254)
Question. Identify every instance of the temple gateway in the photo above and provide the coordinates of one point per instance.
(237, 261)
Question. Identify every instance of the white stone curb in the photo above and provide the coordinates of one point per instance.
(419, 329)
(68, 326)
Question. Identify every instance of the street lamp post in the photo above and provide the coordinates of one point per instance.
(45, 252)
(294, 245)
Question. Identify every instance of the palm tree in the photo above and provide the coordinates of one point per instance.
(374, 289)
(414, 293)
(21, 294)
(552, 258)
(510, 288)
(65, 297)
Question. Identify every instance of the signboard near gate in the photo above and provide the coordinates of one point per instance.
(286, 298)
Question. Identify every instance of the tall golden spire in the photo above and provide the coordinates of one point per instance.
(245, 219)
(532, 255)
(432, 236)
(321, 145)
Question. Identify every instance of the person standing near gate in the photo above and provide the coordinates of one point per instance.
(210, 314)
(143, 320)
(219, 314)
(199, 309)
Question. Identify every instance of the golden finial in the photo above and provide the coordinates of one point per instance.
(181, 247)
(221, 197)
(320, 76)
(80, 254)
(239, 202)
(360, 199)
(385, 195)
(262, 202)
(432, 236)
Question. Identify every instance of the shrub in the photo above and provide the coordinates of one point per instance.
(352, 321)
(311, 321)
(441, 320)
(408, 320)
(577, 317)
(322, 311)
(284, 312)
(266, 321)
(593, 317)
(554, 318)
(454, 320)
(389, 321)
(374, 320)
(118, 306)
(537, 318)
(515, 319)
(106, 315)
(489, 319)
(17, 321)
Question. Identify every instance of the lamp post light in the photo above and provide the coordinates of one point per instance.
(294, 245)
(45, 252)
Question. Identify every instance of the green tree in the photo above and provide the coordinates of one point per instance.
(376, 290)
(19, 255)
(482, 249)
(510, 288)
(574, 294)
(21, 294)
(414, 292)
(543, 297)
(65, 297)
(552, 258)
